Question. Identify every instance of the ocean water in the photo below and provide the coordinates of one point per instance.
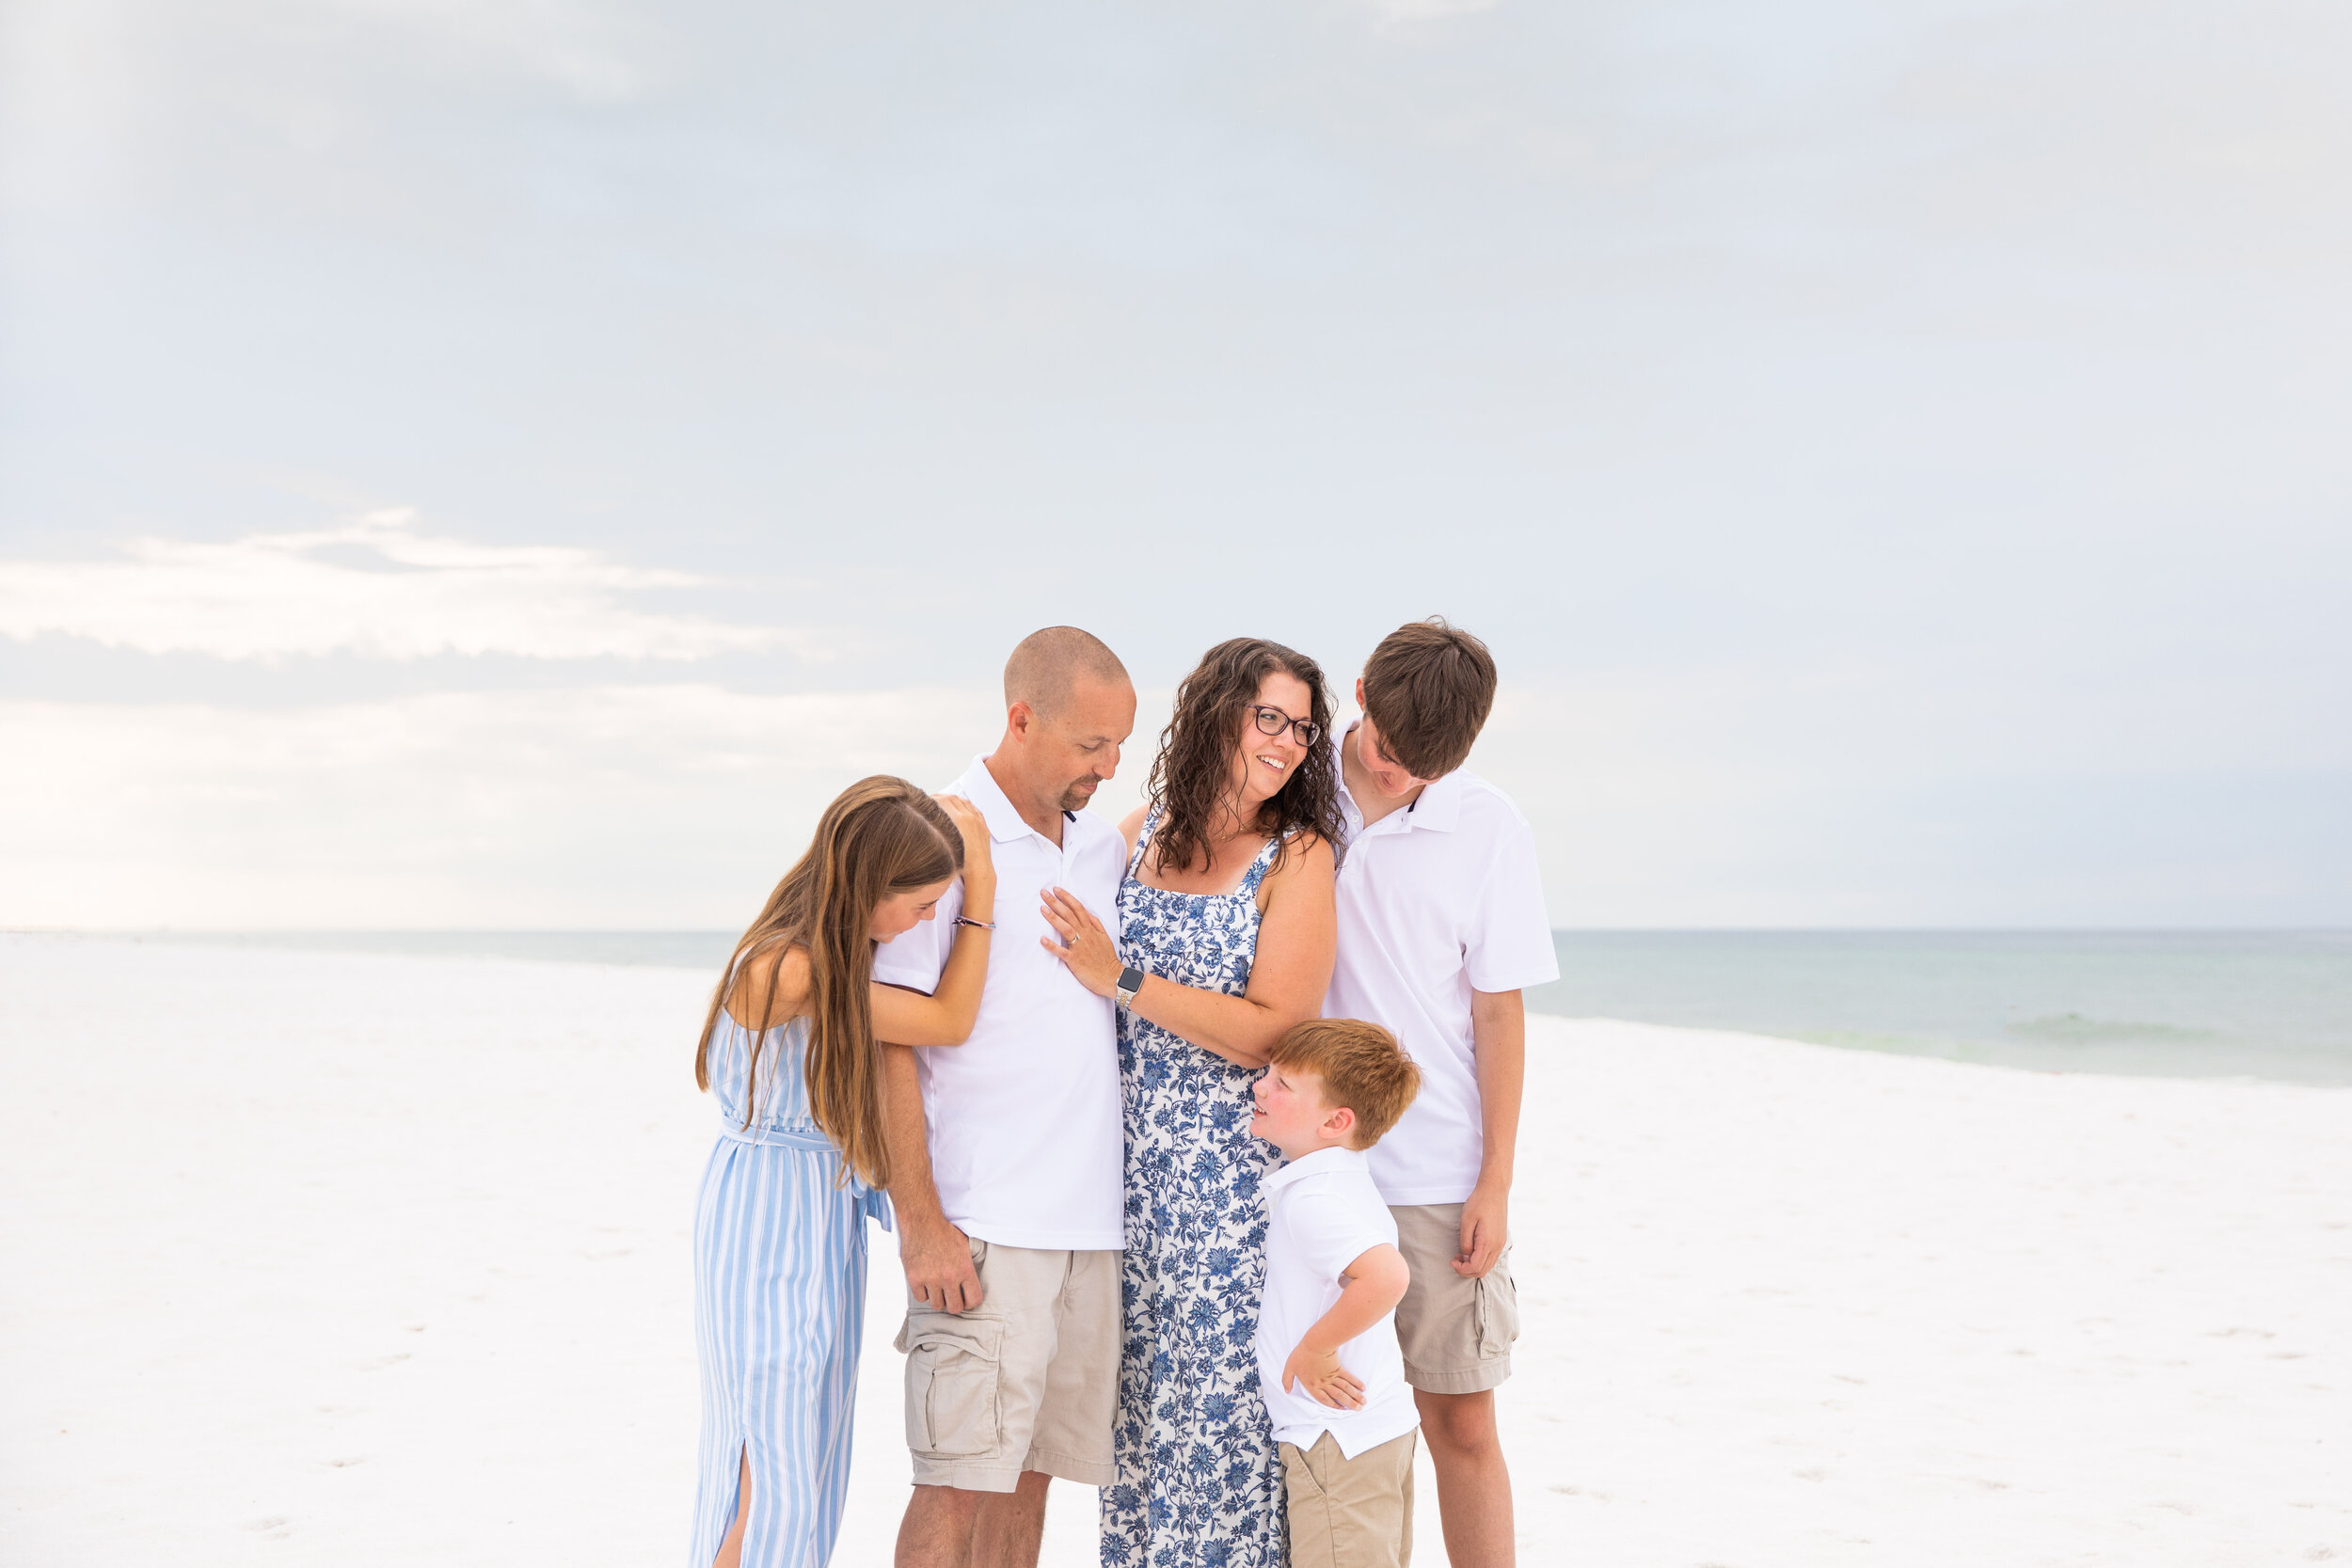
(2177, 1004)
(2271, 1005)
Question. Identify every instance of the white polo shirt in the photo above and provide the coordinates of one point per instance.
(1023, 1117)
(1323, 1212)
(1436, 900)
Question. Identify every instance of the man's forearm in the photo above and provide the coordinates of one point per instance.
(913, 1196)
(1499, 1043)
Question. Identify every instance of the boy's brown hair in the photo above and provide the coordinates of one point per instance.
(1428, 688)
(1361, 1065)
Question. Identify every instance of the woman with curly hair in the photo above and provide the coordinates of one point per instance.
(1227, 934)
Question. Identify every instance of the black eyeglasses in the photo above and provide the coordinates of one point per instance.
(1273, 720)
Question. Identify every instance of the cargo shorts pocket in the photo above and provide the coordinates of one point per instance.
(1495, 1310)
(953, 1366)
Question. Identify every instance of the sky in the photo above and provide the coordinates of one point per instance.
(508, 463)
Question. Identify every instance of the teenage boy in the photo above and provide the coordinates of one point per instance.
(1441, 924)
(1327, 1358)
(1005, 1150)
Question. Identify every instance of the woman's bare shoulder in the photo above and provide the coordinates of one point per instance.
(1309, 853)
(1305, 866)
(771, 988)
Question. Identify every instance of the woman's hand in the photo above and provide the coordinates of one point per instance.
(1087, 949)
(973, 828)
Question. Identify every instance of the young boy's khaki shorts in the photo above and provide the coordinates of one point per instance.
(1456, 1333)
(1028, 1380)
(1350, 1512)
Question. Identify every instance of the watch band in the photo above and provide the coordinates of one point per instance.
(1130, 982)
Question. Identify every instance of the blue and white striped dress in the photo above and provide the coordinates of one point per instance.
(779, 1303)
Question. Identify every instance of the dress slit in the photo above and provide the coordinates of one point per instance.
(780, 1296)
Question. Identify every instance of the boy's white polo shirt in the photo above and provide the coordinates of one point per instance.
(1436, 899)
(1323, 1212)
(1023, 1117)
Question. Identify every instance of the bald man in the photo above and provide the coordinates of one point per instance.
(1004, 1150)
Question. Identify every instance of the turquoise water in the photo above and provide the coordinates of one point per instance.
(2194, 1004)
(2191, 1004)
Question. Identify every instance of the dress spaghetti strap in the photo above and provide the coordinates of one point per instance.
(1263, 864)
(1143, 841)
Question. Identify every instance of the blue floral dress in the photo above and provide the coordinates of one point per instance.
(1199, 1481)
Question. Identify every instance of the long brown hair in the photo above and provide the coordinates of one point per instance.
(1189, 777)
(882, 835)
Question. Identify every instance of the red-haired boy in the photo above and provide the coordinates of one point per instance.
(1327, 1358)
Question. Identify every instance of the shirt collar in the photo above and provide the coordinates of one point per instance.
(980, 788)
(1438, 807)
(1323, 1162)
(1440, 804)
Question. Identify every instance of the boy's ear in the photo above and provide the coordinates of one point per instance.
(1340, 1123)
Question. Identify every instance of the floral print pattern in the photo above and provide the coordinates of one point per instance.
(1199, 1481)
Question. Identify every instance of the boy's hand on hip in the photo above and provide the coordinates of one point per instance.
(1486, 1228)
(1324, 1379)
(938, 1261)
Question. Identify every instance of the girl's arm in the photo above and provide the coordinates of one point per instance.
(1297, 938)
(1375, 1283)
(944, 1017)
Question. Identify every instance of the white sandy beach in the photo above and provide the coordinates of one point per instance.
(343, 1259)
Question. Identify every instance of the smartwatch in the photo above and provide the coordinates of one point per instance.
(1130, 982)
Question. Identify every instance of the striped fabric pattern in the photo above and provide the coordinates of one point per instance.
(779, 1306)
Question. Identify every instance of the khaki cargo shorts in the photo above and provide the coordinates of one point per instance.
(1028, 1380)
(1456, 1333)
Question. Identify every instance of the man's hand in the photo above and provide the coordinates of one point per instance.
(1486, 1226)
(938, 1259)
(1324, 1379)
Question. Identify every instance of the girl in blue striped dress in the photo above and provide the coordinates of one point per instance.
(790, 1049)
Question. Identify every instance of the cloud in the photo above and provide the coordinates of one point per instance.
(375, 586)
(1657, 800)
(620, 806)
(598, 53)
(1857, 797)
(1428, 10)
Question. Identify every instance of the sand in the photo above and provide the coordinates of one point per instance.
(334, 1259)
